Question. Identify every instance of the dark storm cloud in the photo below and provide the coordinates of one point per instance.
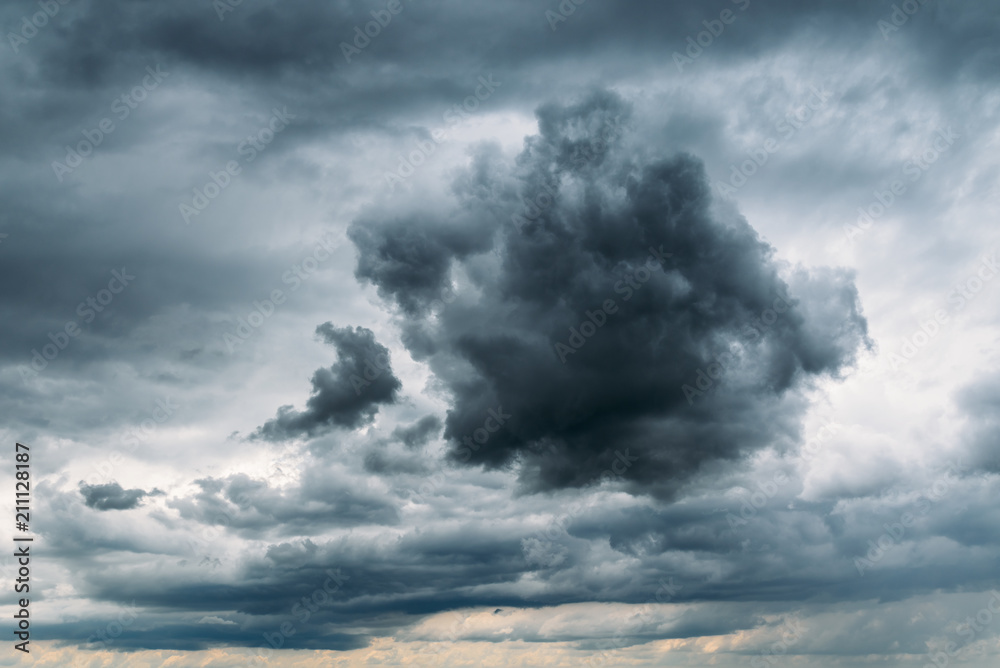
(295, 49)
(779, 555)
(613, 294)
(87, 57)
(170, 635)
(107, 293)
(417, 573)
(271, 39)
(405, 260)
(482, 301)
(347, 394)
(112, 496)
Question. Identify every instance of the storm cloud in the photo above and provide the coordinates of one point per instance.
(345, 395)
(609, 308)
(657, 333)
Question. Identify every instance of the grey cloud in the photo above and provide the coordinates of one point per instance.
(482, 303)
(345, 395)
(410, 259)
(271, 39)
(981, 402)
(170, 634)
(419, 432)
(578, 383)
(403, 451)
(112, 496)
(386, 457)
(325, 497)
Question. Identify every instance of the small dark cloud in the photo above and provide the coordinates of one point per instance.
(111, 496)
(347, 394)
(418, 433)
(386, 457)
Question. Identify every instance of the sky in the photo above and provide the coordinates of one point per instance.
(441, 333)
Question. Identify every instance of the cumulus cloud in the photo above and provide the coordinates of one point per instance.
(608, 306)
(325, 497)
(347, 394)
(493, 263)
(111, 496)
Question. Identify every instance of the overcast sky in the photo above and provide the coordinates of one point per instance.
(471, 333)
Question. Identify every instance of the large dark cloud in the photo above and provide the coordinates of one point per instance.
(583, 226)
(345, 395)
(271, 39)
